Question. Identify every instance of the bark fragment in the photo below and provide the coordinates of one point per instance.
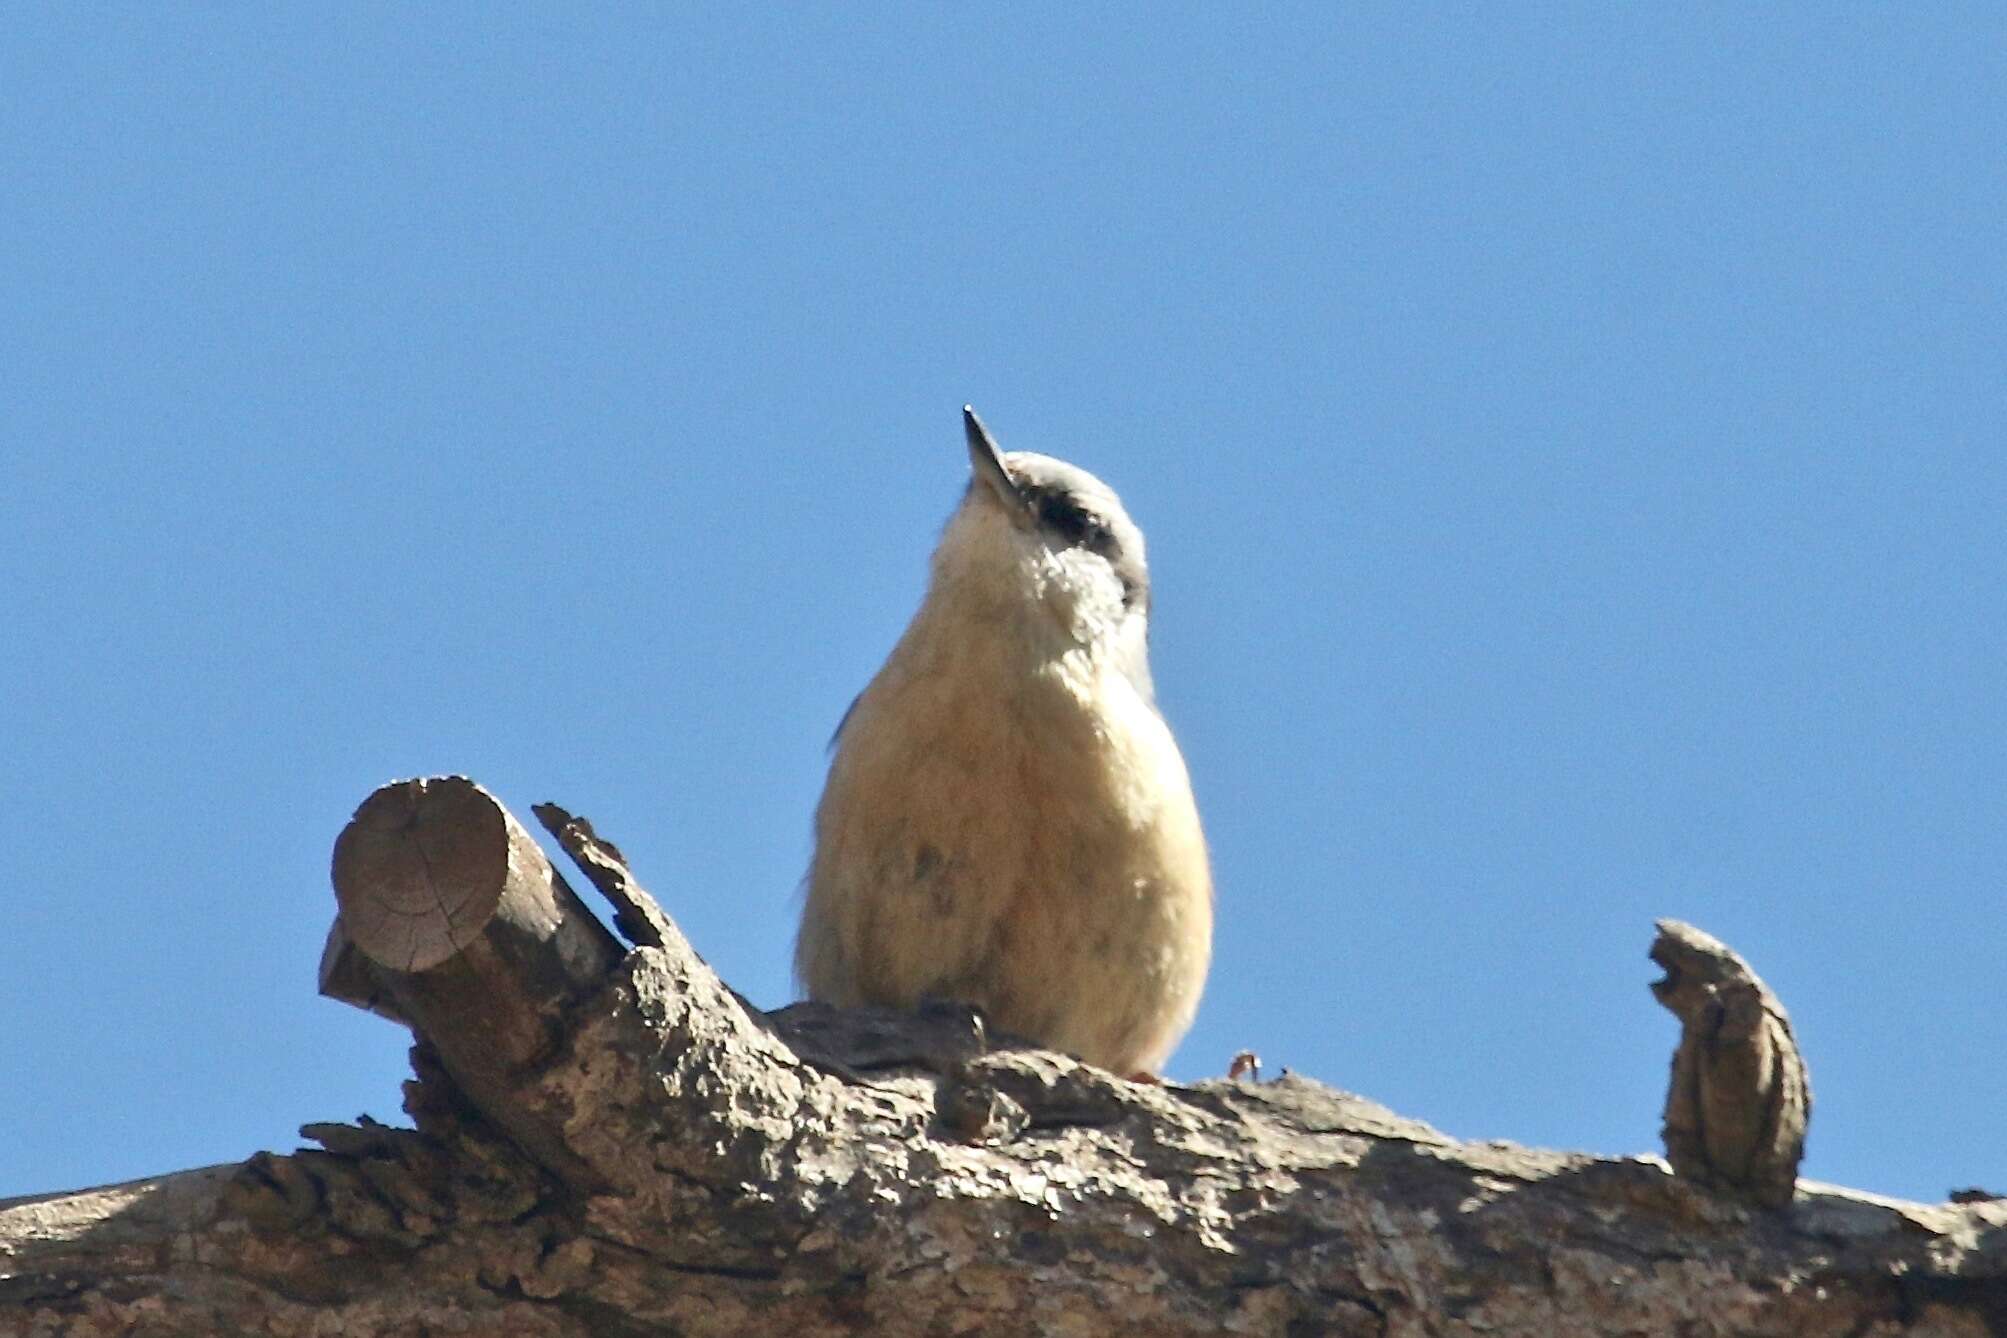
(1739, 1100)
(636, 914)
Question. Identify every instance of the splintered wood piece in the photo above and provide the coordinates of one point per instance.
(1740, 1099)
(346, 975)
(635, 913)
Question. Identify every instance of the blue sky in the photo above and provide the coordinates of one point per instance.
(1569, 438)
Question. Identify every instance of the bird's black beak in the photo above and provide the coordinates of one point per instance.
(986, 463)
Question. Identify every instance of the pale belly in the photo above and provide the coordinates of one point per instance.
(1046, 866)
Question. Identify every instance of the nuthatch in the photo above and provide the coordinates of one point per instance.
(1008, 822)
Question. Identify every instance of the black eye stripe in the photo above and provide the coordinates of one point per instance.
(1065, 517)
(1075, 524)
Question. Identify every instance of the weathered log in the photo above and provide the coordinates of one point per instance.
(1739, 1100)
(752, 1189)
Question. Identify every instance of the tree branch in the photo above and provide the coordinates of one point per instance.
(694, 1166)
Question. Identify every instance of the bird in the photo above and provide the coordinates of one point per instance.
(1008, 823)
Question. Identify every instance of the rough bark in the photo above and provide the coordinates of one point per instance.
(725, 1171)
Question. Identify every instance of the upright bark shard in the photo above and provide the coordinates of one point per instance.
(1739, 1100)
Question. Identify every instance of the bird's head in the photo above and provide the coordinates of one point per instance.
(1037, 536)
